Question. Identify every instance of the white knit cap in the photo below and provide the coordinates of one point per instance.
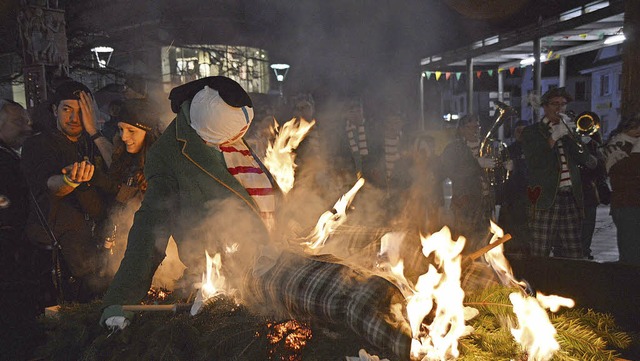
(217, 122)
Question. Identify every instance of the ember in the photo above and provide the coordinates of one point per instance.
(156, 295)
(288, 339)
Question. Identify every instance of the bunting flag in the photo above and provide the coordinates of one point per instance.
(584, 36)
(490, 72)
(458, 74)
(447, 75)
(500, 70)
(478, 73)
(438, 73)
(512, 69)
(427, 74)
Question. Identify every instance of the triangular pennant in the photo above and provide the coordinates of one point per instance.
(490, 72)
(512, 69)
(438, 73)
(458, 74)
(447, 75)
(584, 36)
(500, 70)
(427, 74)
(478, 73)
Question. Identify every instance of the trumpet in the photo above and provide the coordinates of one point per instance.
(587, 124)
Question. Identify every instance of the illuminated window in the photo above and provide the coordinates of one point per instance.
(246, 65)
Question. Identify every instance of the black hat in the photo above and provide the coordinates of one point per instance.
(554, 93)
(69, 90)
(230, 91)
(139, 113)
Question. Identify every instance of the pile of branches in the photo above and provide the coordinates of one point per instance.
(225, 330)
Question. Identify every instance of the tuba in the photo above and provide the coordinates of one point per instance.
(496, 149)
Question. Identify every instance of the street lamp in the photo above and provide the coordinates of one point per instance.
(281, 71)
(103, 55)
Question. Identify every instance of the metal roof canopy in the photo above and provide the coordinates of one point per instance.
(577, 31)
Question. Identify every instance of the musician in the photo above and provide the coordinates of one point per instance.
(472, 200)
(553, 153)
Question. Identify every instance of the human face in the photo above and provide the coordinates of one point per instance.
(634, 132)
(133, 137)
(554, 107)
(304, 110)
(69, 118)
(470, 131)
(15, 126)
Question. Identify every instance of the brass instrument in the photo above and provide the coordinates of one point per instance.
(496, 149)
(587, 123)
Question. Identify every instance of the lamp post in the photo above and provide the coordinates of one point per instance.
(103, 55)
(281, 71)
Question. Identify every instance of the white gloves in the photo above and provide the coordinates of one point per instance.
(508, 165)
(487, 163)
(119, 322)
(636, 146)
(558, 131)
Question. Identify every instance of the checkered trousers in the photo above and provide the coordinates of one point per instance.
(317, 288)
(558, 228)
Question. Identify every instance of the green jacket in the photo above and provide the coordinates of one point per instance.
(191, 196)
(543, 164)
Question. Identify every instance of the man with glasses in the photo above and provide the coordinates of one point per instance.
(555, 191)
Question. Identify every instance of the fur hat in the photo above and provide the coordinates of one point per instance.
(554, 93)
(230, 91)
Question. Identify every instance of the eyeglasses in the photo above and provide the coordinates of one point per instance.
(558, 104)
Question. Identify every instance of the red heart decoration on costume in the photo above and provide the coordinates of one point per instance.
(534, 193)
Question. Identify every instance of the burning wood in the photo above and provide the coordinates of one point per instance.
(213, 283)
(287, 340)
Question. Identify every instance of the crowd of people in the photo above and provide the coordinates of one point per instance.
(68, 192)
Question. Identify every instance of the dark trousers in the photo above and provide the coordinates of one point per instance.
(627, 221)
(588, 227)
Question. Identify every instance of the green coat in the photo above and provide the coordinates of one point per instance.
(543, 164)
(189, 196)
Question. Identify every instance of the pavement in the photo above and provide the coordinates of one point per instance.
(604, 247)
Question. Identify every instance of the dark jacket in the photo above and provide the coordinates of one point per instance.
(543, 163)
(189, 186)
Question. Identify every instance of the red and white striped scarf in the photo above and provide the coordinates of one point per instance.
(243, 166)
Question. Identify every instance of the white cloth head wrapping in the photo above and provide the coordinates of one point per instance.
(215, 121)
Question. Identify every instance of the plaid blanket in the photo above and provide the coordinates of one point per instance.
(316, 288)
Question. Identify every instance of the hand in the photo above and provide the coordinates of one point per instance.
(487, 163)
(558, 131)
(79, 172)
(89, 111)
(508, 165)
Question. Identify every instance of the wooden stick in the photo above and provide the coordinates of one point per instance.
(477, 254)
(175, 308)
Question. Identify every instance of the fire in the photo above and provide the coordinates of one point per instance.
(280, 158)
(329, 221)
(439, 287)
(535, 332)
(288, 339)
(213, 282)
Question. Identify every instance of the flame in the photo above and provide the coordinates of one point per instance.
(329, 221)
(535, 332)
(213, 281)
(279, 158)
(440, 286)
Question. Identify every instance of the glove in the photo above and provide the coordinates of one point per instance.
(114, 317)
(558, 131)
(487, 162)
(508, 165)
